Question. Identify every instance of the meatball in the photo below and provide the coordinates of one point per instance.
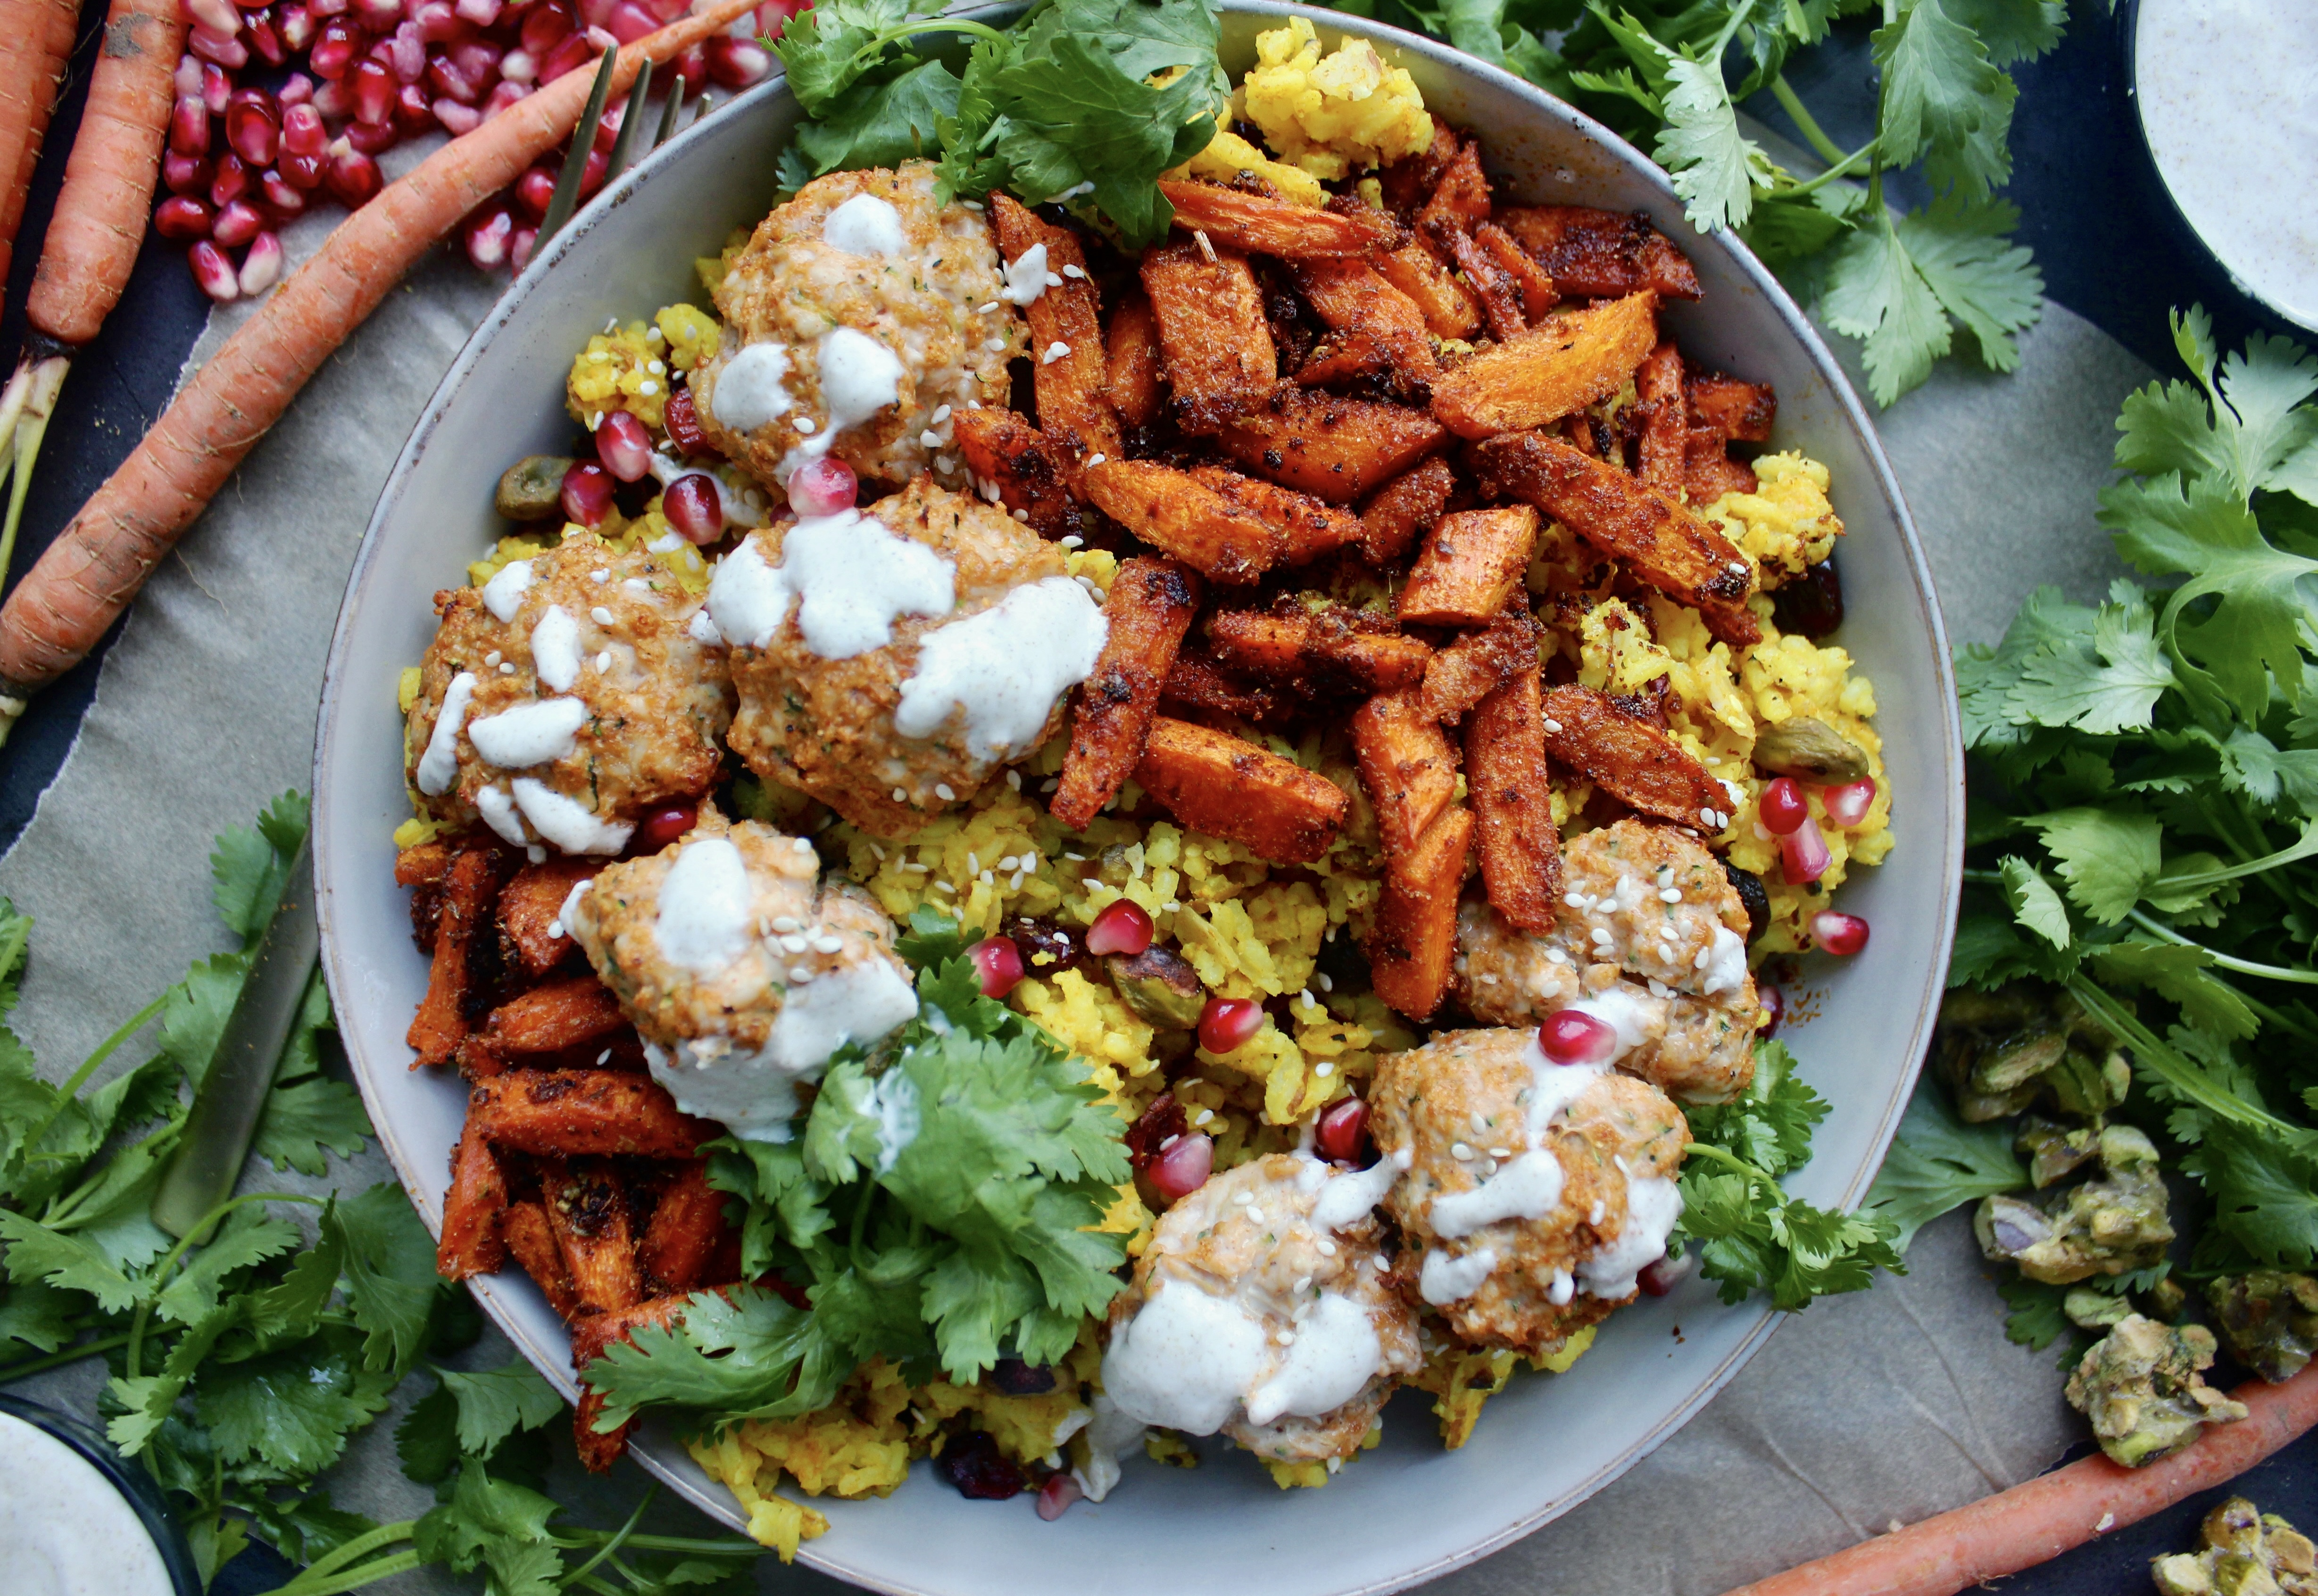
(564, 697)
(1651, 939)
(743, 969)
(859, 316)
(889, 662)
(1531, 1193)
(1263, 1308)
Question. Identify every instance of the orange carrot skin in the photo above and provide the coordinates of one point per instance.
(2040, 1518)
(93, 568)
(116, 159)
(39, 40)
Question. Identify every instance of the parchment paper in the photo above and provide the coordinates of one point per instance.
(1888, 1405)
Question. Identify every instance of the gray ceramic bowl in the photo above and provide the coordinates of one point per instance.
(1409, 1511)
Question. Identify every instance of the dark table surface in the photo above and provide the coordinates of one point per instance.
(2103, 232)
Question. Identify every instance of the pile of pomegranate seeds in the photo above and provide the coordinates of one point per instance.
(282, 106)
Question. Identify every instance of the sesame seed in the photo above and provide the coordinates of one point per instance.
(1072, 272)
(942, 791)
(1326, 984)
(1053, 281)
(801, 975)
(1501, 1152)
(943, 886)
(600, 615)
(603, 661)
(930, 439)
(647, 388)
(507, 668)
(492, 658)
(793, 944)
(1459, 1152)
(1554, 727)
(1203, 1116)
(1255, 1217)
(804, 424)
(1286, 1338)
(801, 845)
(973, 863)
(536, 854)
(827, 944)
(1016, 884)
(603, 575)
(1323, 1070)
(1243, 1197)
(1072, 541)
(1055, 352)
(637, 585)
(1206, 248)
(986, 309)
(1671, 895)
(1022, 516)
(786, 923)
(901, 796)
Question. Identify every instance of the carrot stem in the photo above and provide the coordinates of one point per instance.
(45, 378)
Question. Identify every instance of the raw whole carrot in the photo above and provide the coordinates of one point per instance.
(40, 41)
(116, 159)
(2042, 1518)
(94, 568)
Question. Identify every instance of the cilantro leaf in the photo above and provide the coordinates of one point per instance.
(293, 1409)
(494, 1524)
(246, 1236)
(2105, 678)
(881, 122)
(494, 1403)
(250, 865)
(68, 1262)
(2244, 424)
(2036, 1320)
(390, 1273)
(2265, 1191)
(427, 1439)
(2107, 857)
(38, 1316)
(2182, 974)
(1770, 1124)
(826, 47)
(1874, 293)
(1944, 100)
(2013, 30)
(1963, 251)
(1716, 169)
(1938, 1163)
(2033, 902)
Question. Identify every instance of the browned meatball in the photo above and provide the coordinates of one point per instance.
(1650, 938)
(1530, 1192)
(580, 695)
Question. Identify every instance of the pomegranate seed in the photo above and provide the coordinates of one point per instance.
(1662, 1275)
(736, 63)
(533, 189)
(774, 15)
(503, 95)
(682, 419)
(691, 69)
(1056, 1496)
(1343, 1133)
(591, 176)
(1000, 962)
(1183, 1167)
(623, 444)
(1782, 806)
(188, 79)
(326, 8)
(1227, 1023)
(1773, 1004)
(437, 22)
(302, 172)
(372, 138)
(693, 507)
(457, 119)
(482, 13)
(824, 487)
(189, 126)
(544, 27)
(373, 91)
(295, 24)
(586, 492)
(282, 197)
(224, 50)
(608, 126)
(335, 50)
(1842, 935)
(664, 828)
(1803, 856)
(183, 219)
(378, 16)
(1847, 805)
(574, 52)
(520, 65)
(217, 88)
(477, 59)
(630, 21)
(414, 112)
(444, 77)
(302, 132)
(1122, 927)
(230, 183)
(519, 246)
(352, 177)
(262, 266)
(297, 89)
(487, 247)
(219, 16)
(264, 40)
(237, 224)
(593, 14)
(187, 174)
(334, 97)
(214, 272)
(1573, 1036)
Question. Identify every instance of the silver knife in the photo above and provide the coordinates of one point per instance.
(200, 1173)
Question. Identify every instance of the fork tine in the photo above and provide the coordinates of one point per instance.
(671, 113)
(632, 125)
(575, 159)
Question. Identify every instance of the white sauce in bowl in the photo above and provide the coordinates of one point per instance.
(2228, 92)
(64, 1529)
(865, 225)
(849, 577)
(747, 393)
(1004, 667)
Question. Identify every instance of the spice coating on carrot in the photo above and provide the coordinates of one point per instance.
(116, 159)
(2042, 1518)
(31, 73)
(94, 568)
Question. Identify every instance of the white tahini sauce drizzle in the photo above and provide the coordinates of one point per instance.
(1347, 1198)
(64, 1529)
(438, 766)
(2229, 99)
(561, 925)
(1634, 1015)
(865, 225)
(702, 918)
(1185, 1360)
(566, 822)
(859, 377)
(503, 594)
(1004, 667)
(1111, 1435)
(1726, 963)
(1026, 276)
(498, 812)
(1527, 1187)
(1445, 1279)
(1336, 1352)
(555, 649)
(530, 734)
(731, 502)
(747, 393)
(851, 579)
(1653, 1205)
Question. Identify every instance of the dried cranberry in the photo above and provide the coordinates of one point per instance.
(1018, 1378)
(974, 1464)
(1158, 1124)
(683, 424)
(1047, 949)
(1811, 606)
(1751, 893)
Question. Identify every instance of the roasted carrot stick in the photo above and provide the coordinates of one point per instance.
(2040, 1518)
(97, 564)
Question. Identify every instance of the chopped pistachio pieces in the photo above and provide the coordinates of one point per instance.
(2142, 1387)
(2243, 1551)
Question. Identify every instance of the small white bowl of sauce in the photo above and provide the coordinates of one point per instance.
(2226, 92)
(75, 1520)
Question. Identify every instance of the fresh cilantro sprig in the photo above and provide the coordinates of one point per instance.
(2143, 821)
(1750, 1233)
(937, 1211)
(1670, 73)
(1080, 102)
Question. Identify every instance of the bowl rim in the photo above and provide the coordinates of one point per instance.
(554, 1361)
